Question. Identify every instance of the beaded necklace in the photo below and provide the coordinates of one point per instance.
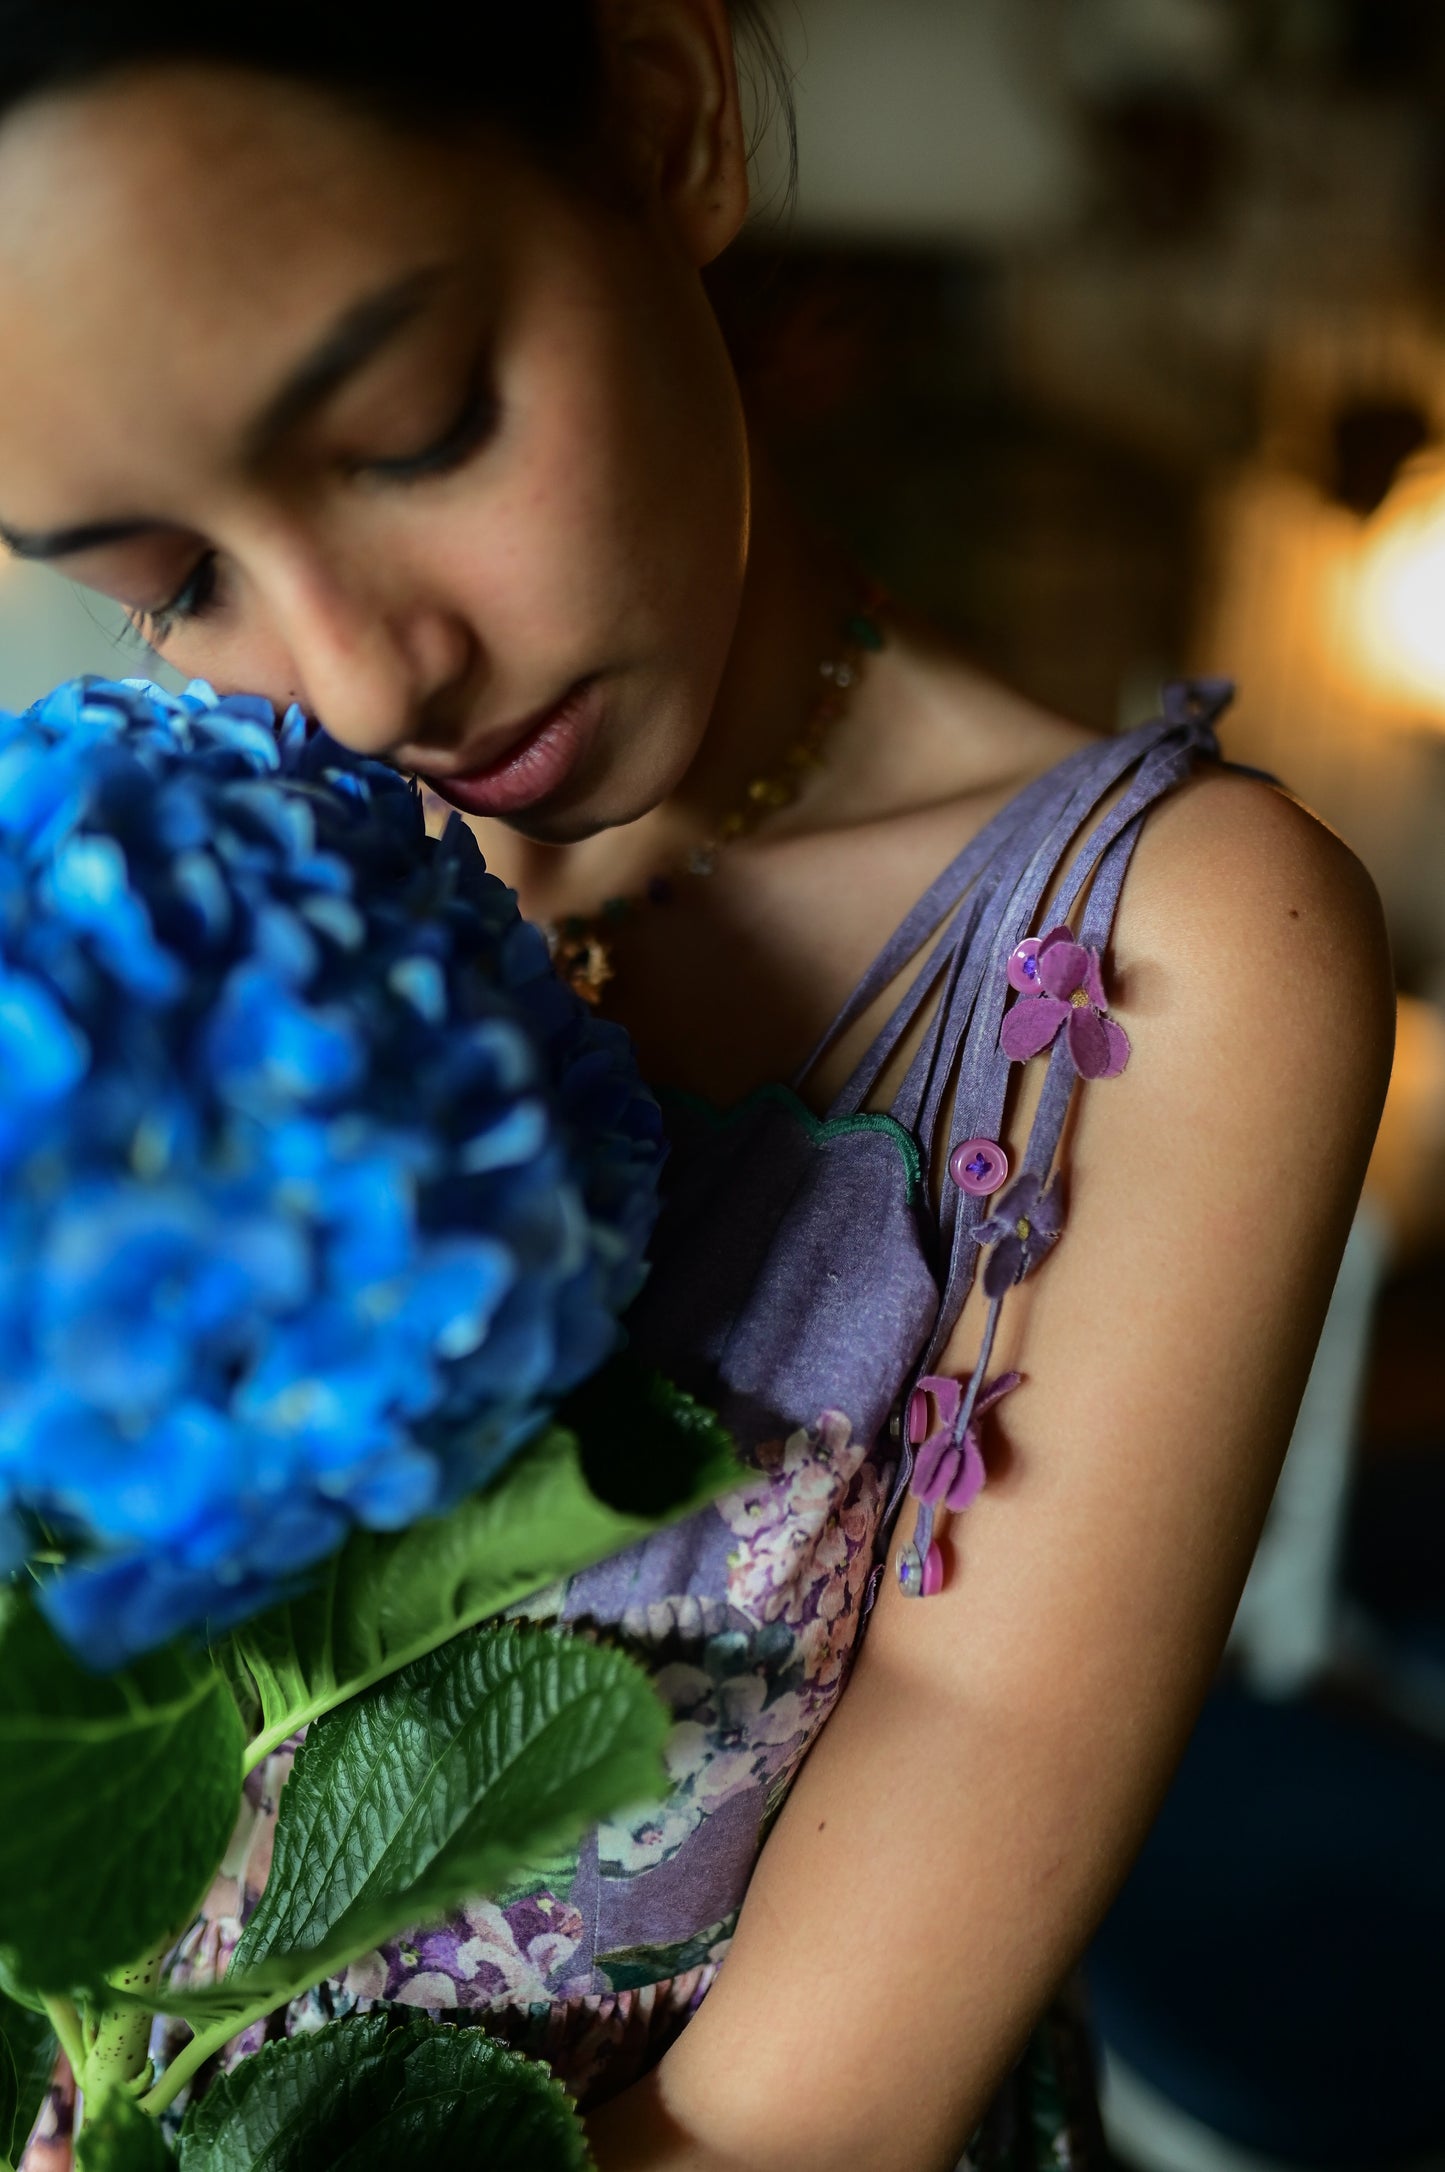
(581, 943)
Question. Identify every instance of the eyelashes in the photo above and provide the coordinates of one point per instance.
(464, 435)
(461, 439)
(189, 602)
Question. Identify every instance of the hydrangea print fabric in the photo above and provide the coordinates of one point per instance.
(749, 1677)
(317, 1188)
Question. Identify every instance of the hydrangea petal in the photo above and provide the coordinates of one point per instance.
(336, 1273)
(43, 1054)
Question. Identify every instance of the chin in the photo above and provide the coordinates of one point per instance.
(621, 792)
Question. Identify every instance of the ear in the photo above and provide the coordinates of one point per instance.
(676, 116)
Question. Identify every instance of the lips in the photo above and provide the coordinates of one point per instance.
(541, 756)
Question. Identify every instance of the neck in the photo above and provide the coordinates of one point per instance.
(796, 594)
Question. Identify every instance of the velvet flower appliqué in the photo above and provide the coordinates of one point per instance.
(1061, 987)
(1024, 1225)
(948, 1469)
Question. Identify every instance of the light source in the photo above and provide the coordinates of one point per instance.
(1400, 592)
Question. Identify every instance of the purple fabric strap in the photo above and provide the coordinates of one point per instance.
(979, 909)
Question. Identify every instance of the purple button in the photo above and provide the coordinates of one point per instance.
(1023, 967)
(932, 1571)
(978, 1167)
(917, 1418)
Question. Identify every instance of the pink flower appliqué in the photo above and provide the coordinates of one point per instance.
(949, 1470)
(1061, 985)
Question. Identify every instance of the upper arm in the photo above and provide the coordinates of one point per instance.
(970, 1807)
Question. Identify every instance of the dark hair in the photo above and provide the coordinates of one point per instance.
(532, 65)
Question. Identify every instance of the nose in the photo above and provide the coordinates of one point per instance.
(380, 674)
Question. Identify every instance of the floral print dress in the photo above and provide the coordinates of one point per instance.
(804, 1282)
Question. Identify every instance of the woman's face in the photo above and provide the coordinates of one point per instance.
(407, 431)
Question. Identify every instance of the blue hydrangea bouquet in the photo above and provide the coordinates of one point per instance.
(320, 1200)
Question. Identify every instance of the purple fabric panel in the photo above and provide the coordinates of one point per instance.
(583, 1895)
(837, 1302)
(698, 1886)
(685, 1558)
(726, 1191)
(812, 1287)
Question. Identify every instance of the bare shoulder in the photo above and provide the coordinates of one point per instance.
(1265, 918)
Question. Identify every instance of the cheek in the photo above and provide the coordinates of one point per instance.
(249, 659)
(622, 502)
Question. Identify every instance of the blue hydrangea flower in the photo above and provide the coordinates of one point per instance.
(318, 1189)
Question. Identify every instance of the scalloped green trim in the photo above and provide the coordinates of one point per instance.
(819, 1129)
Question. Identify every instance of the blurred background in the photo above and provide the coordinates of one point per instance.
(1113, 333)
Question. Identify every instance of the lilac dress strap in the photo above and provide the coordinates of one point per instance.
(958, 1081)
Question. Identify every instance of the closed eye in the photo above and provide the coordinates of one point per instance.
(191, 601)
(462, 437)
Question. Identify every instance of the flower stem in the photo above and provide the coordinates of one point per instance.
(120, 2050)
(65, 2021)
(975, 1385)
(188, 2062)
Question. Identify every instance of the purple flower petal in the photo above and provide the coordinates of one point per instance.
(1063, 967)
(935, 1468)
(1063, 933)
(1011, 1207)
(1005, 1266)
(1094, 983)
(1030, 1026)
(1047, 1218)
(968, 1473)
(947, 1394)
(995, 1393)
(1118, 1049)
(1088, 1042)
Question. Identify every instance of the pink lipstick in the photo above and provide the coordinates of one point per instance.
(544, 753)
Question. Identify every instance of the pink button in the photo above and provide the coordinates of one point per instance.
(932, 1571)
(1023, 967)
(978, 1167)
(917, 1418)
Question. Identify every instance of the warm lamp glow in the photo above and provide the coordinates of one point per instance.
(1400, 596)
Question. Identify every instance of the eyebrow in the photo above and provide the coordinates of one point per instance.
(356, 337)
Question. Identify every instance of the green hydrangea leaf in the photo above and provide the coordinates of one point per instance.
(9, 2100)
(122, 2138)
(118, 1794)
(386, 1599)
(648, 1448)
(27, 2060)
(369, 2095)
(440, 1783)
